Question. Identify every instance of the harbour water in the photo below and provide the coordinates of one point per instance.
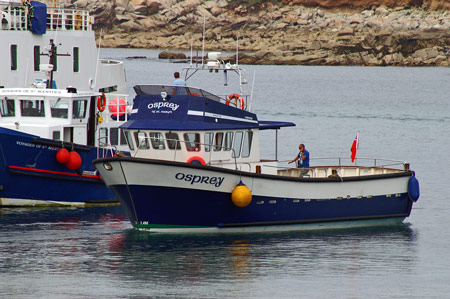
(400, 113)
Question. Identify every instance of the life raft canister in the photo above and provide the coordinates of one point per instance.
(101, 102)
(196, 160)
(237, 99)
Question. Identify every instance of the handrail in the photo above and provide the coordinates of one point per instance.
(344, 161)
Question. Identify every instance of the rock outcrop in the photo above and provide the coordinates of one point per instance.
(329, 32)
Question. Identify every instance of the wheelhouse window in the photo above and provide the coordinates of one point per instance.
(59, 108)
(173, 141)
(157, 140)
(114, 136)
(208, 141)
(141, 140)
(218, 141)
(103, 137)
(7, 108)
(237, 144)
(14, 57)
(227, 141)
(247, 144)
(129, 138)
(79, 108)
(192, 141)
(76, 59)
(34, 108)
(56, 135)
(37, 58)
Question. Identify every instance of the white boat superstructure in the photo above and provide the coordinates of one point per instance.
(27, 32)
(65, 115)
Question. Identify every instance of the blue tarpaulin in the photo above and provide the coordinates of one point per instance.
(39, 21)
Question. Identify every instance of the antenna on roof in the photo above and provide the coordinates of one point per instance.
(203, 42)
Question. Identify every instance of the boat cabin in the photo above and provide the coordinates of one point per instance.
(195, 127)
(64, 115)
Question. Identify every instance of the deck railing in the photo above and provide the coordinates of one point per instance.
(18, 17)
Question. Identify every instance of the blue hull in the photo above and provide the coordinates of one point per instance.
(30, 173)
(163, 207)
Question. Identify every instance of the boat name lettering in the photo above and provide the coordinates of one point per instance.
(159, 105)
(198, 179)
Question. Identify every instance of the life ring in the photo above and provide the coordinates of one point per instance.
(236, 98)
(195, 94)
(101, 102)
(196, 160)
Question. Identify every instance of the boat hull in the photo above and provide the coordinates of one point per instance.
(160, 195)
(30, 175)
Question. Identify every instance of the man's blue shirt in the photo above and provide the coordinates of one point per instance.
(303, 163)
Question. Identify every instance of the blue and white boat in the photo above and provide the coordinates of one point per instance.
(195, 166)
(45, 48)
(48, 140)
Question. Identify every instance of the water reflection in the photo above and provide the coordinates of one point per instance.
(210, 257)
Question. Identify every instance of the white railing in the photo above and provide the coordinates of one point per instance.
(14, 17)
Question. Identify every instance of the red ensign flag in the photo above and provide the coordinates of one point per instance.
(355, 146)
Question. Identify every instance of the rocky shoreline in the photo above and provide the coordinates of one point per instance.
(281, 33)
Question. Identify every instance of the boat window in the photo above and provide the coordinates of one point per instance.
(237, 145)
(192, 141)
(7, 107)
(37, 58)
(14, 57)
(208, 141)
(157, 140)
(141, 140)
(114, 136)
(218, 142)
(227, 141)
(129, 139)
(123, 139)
(56, 135)
(103, 137)
(33, 108)
(173, 141)
(76, 59)
(79, 108)
(59, 108)
(247, 145)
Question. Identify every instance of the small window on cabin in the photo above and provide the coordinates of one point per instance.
(157, 140)
(76, 59)
(37, 58)
(173, 141)
(141, 140)
(114, 136)
(247, 145)
(56, 135)
(14, 57)
(218, 141)
(129, 139)
(192, 141)
(123, 138)
(34, 108)
(59, 108)
(103, 137)
(208, 141)
(227, 141)
(237, 145)
(79, 108)
(7, 108)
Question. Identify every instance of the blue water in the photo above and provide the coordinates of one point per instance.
(400, 113)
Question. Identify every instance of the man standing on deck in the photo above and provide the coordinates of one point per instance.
(303, 156)
(180, 83)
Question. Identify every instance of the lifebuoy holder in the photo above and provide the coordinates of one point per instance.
(237, 99)
(101, 102)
